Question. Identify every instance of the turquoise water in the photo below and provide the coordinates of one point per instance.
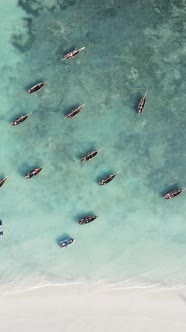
(131, 47)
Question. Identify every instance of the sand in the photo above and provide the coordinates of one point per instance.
(86, 308)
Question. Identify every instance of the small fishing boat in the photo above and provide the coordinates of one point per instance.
(1, 228)
(73, 54)
(36, 87)
(2, 181)
(90, 155)
(173, 193)
(20, 119)
(66, 243)
(141, 104)
(107, 179)
(75, 111)
(87, 219)
(32, 173)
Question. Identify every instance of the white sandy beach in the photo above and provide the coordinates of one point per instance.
(88, 309)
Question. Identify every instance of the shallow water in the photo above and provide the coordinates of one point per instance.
(131, 47)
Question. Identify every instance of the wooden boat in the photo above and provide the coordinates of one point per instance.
(87, 219)
(75, 111)
(66, 243)
(73, 54)
(32, 173)
(36, 87)
(1, 228)
(90, 155)
(20, 119)
(107, 179)
(173, 193)
(141, 104)
(2, 181)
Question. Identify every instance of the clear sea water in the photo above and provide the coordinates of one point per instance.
(132, 46)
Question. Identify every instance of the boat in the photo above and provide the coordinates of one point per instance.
(32, 173)
(73, 54)
(90, 155)
(75, 111)
(20, 119)
(2, 181)
(1, 228)
(87, 219)
(173, 193)
(107, 179)
(36, 87)
(66, 243)
(141, 104)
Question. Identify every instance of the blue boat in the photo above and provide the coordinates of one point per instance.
(1, 228)
(66, 243)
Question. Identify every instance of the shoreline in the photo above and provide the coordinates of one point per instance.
(8, 290)
(92, 308)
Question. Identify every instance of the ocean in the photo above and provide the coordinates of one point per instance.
(132, 47)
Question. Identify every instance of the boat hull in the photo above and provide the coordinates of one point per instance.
(107, 179)
(1, 228)
(73, 54)
(87, 220)
(20, 120)
(34, 172)
(173, 193)
(2, 181)
(75, 112)
(66, 243)
(141, 105)
(89, 156)
(37, 87)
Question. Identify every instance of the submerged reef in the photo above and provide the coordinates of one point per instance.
(23, 40)
(35, 7)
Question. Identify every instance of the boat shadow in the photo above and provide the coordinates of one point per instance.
(18, 108)
(61, 238)
(168, 189)
(25, 168)
(103, 175)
